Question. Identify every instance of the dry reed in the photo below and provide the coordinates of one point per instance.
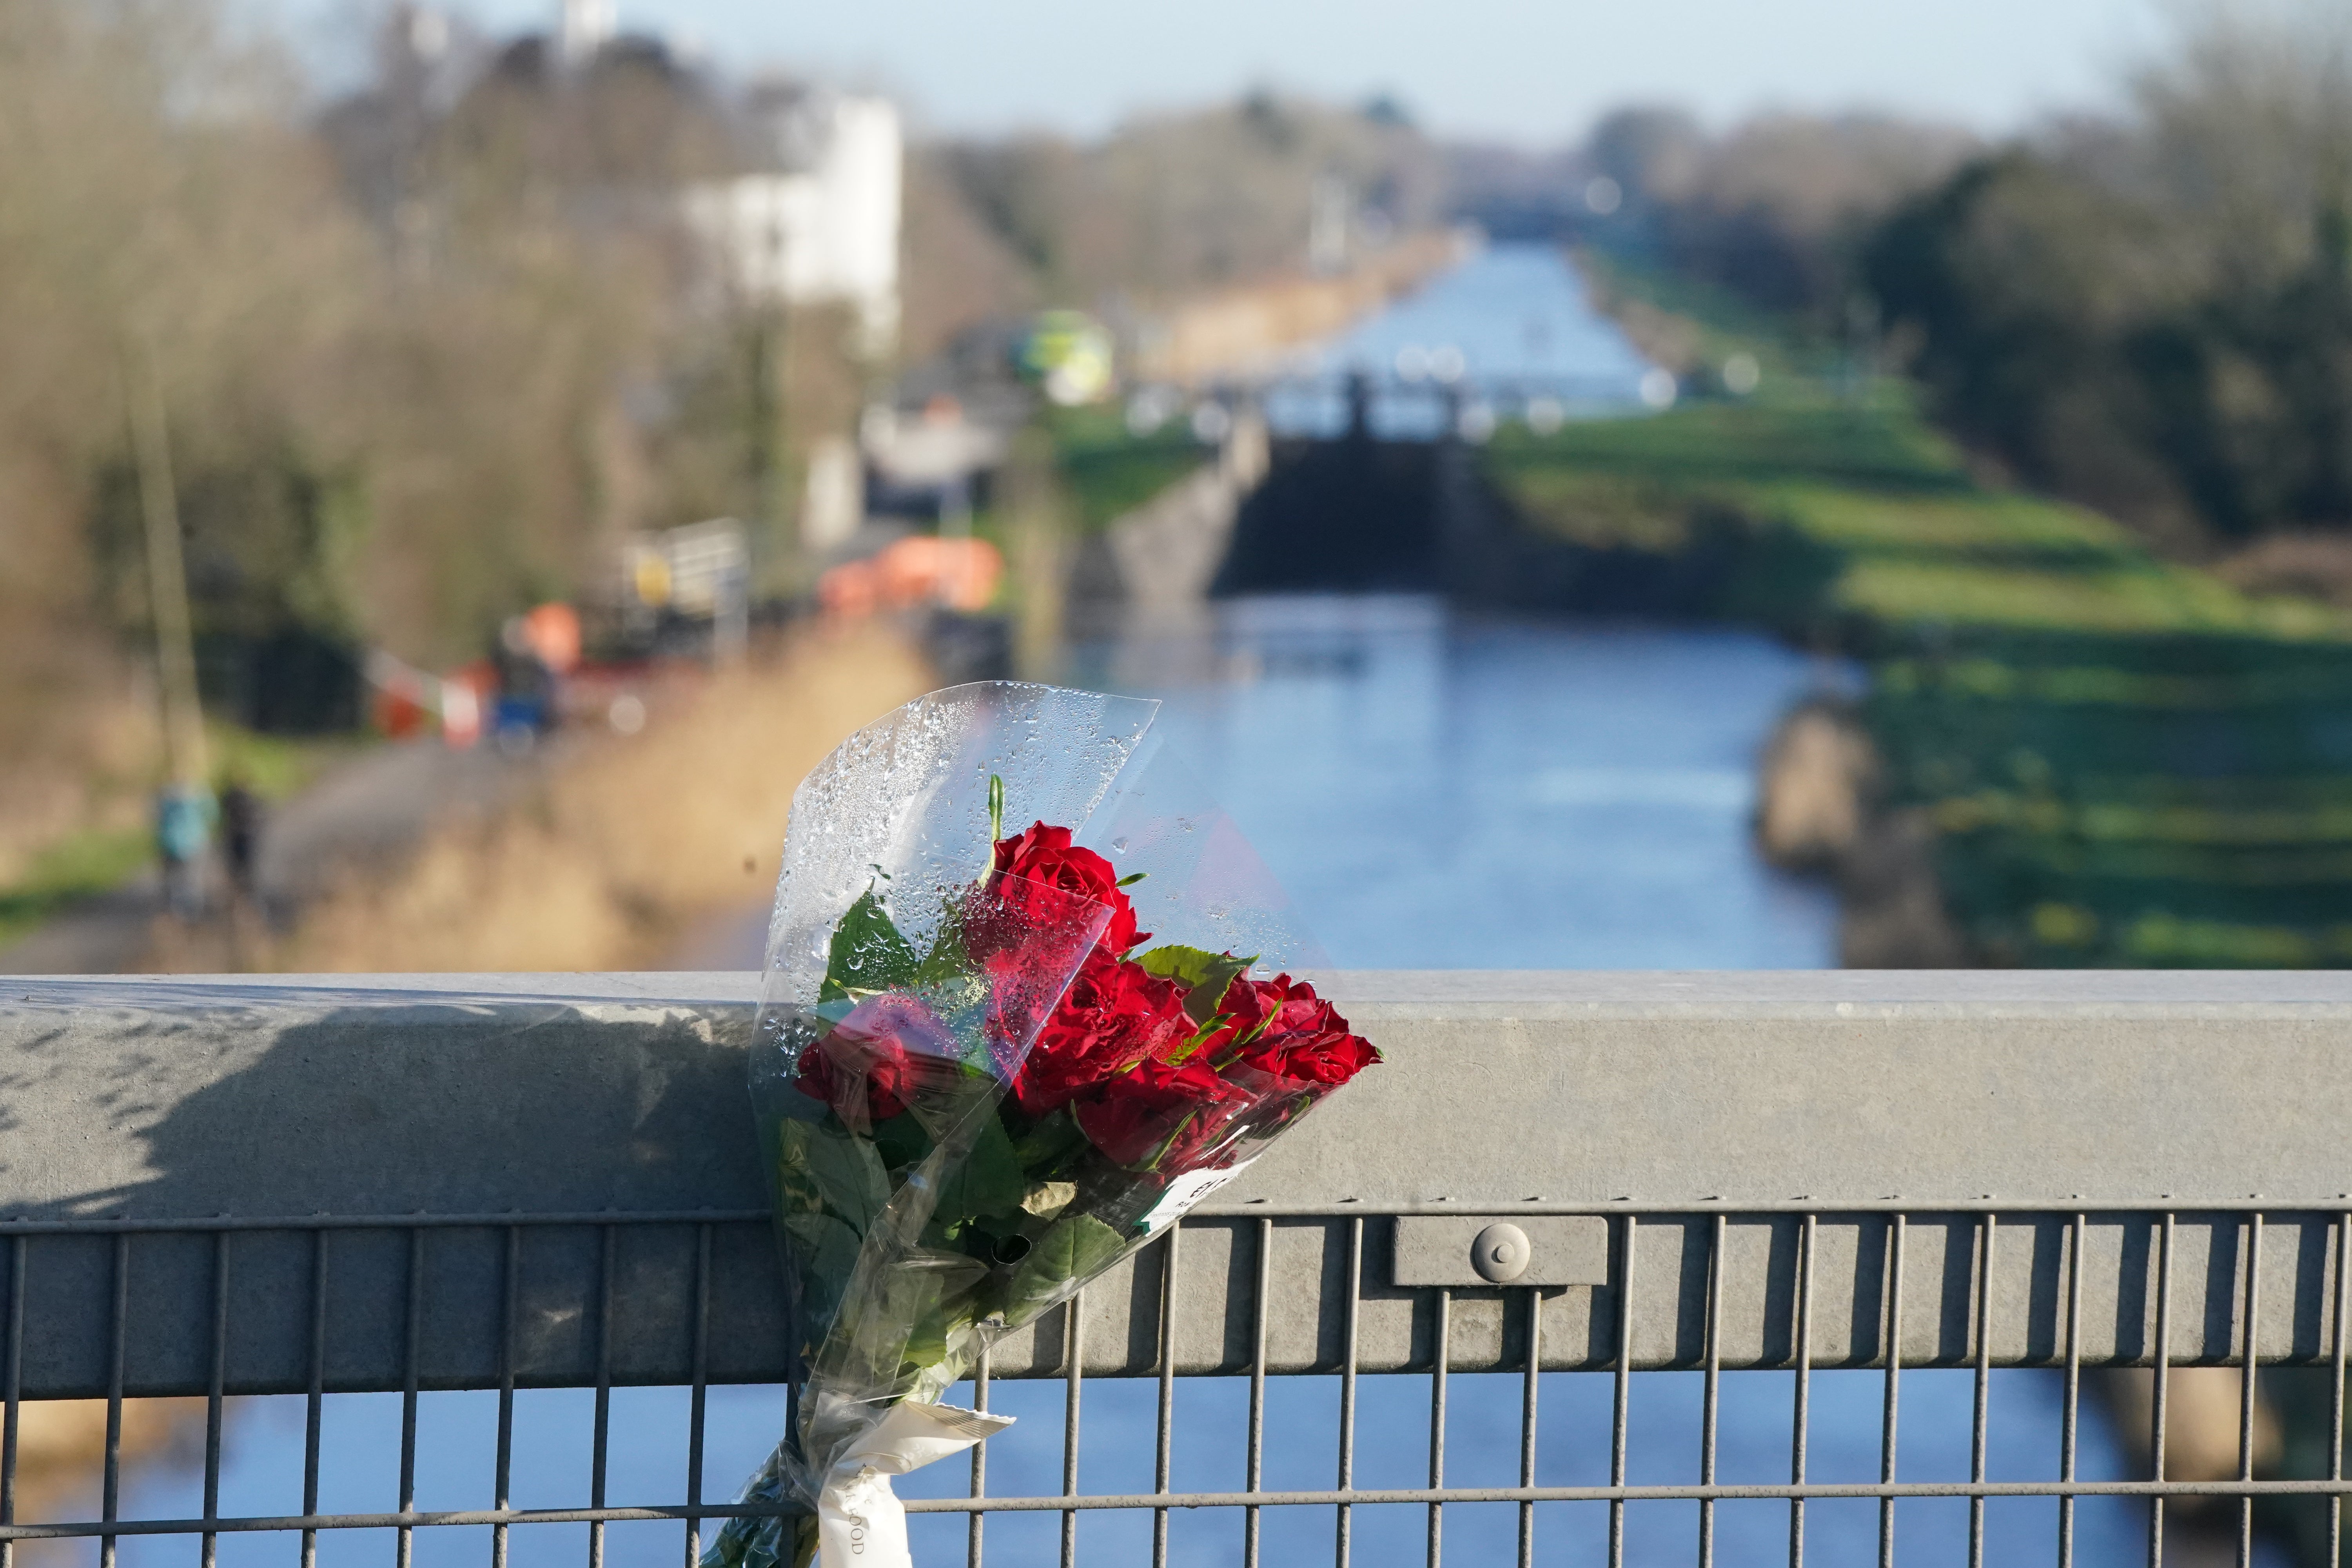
(624, 842)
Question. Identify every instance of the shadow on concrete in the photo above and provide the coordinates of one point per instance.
(386, 1110)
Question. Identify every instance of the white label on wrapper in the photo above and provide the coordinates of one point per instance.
(1189, 1189)
(860, 1522)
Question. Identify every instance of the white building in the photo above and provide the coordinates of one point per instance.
(825, 232)
(583, 26)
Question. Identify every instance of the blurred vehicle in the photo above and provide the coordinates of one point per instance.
(1070, 356)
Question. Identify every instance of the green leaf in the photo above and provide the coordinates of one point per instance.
(988, 1181)
(826, 1251)
(1074, 1251)
(1132, 877)
(947, 969)
(1042, 1147)
(1204, 976)
(868, 954)
(936, 1295)
(901, 1141)
(822, 1168)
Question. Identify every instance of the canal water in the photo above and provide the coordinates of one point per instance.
(1439, 790)
(1512, 323)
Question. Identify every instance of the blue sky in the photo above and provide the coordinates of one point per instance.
(1534, 71)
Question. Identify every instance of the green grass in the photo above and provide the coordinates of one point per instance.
(275, 767)
(1878, 442)
(90, 862)
(1910, 540)
(1108, 471)
(1971, 523)
(75, 868)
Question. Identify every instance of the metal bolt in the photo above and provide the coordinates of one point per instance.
(1501, 1254)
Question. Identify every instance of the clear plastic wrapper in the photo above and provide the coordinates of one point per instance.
(1022, 1007)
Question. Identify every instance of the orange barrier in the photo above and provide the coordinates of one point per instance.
(961, 573)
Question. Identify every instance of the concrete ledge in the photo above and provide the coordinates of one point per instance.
(1850, 1095)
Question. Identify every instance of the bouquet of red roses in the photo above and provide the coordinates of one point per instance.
(980, 1082)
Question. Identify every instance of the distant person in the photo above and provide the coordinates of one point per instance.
(240, 816)
(184, 827)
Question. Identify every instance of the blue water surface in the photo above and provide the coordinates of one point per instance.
(1513, 321)
(1443, 791)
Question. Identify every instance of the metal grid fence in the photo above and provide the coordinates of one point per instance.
(1696, 1290)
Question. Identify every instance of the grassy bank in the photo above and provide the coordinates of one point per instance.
(82, 864)
(94, 859)
(2126, 760)
(1107, 470)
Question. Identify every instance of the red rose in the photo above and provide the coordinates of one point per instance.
(1305, 1040)
(1114, 1015)
(1046, 856)
(872, 1063)
(1174, 1113)
(1244, 1008)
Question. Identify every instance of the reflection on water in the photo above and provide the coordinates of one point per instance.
(1446, 791)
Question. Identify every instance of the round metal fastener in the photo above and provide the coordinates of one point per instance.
(1502, 1253)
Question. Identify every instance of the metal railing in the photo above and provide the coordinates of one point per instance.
(1299, 1272)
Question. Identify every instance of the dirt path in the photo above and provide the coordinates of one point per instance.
(609, 855)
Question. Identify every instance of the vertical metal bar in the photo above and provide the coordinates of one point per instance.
(697, 1409)
(405, 1541)
(2163, 1378)
(2336, 1400)
(1166, 1434)
(1712, 1396)
(973, 1526)
(2246, 1386)
(13, 1394)
(1529, 1393)
(1073, 1373)
(1347, 1387)
(1983, 1388)
(510, 1287)
(210, 1551)
(112, 1507)
(314, 1405)
(1254, 1461)
(602, 1441)
(1443, 1349)
(1890, 1420)
(2070, 1422)
(1807, 1237)
(1623, 1395)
